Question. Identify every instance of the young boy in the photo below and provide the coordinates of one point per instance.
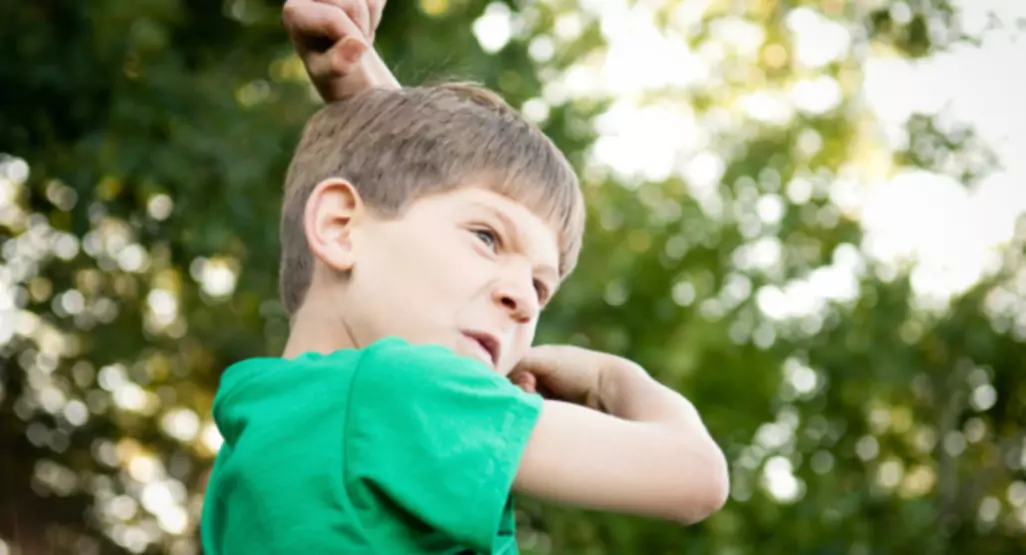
(423, 231)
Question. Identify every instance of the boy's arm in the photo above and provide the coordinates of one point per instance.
(650, 455)
(334, 39)
(371, 72)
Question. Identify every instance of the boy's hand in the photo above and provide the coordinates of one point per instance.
(568, 373)
(333, 38)
(644, 451)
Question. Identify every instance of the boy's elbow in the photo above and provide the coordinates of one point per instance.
(710, 500)
(708, 493)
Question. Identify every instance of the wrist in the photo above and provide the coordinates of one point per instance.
(627, 391)
(376, 72)
(619, 380)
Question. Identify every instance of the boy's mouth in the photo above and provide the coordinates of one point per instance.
(488, 343)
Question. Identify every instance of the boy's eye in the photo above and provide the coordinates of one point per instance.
(488, 237)
(542, 290)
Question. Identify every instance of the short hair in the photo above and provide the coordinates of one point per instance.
(396, 146)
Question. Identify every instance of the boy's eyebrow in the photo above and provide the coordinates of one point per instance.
(547, 270)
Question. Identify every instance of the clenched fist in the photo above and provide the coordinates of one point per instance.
(573, 374)
(332, 38)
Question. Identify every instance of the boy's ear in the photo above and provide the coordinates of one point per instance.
(331, 211)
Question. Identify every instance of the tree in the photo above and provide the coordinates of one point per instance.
(146, 146)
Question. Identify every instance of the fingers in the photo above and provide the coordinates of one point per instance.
(330, 43)
(337, 61)
(316, 25)
(358, 12)
(540, 361)
(376, 8)
(525, 381)
(530, 384)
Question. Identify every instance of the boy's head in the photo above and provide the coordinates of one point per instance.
(435, 214)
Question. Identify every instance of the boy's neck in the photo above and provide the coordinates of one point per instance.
(312, 330)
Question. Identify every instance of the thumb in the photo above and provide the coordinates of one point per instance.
(352, 48)
(338, 61)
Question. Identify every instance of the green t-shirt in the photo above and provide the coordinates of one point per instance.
(393, 449)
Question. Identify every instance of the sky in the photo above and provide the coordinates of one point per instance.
(950, 233)
(975, 85)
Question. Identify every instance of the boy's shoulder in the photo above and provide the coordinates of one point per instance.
(267, 373)
(349, 422)
(395, 359)
(387, 362)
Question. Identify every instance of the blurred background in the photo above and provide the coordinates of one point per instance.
(804, 215)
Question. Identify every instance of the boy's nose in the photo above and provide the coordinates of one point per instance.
(517, 300)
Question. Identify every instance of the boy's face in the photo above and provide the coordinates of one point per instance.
(468, 269)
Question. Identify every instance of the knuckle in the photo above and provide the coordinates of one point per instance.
(292, 14)
(357, 10)
(288, 11)
(335, 26)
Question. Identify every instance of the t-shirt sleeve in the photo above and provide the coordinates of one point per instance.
(438, 437)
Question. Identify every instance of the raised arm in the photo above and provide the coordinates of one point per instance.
(334, 38)
(644, 452)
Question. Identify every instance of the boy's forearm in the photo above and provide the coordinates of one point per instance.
(648, 455)
(628, 392)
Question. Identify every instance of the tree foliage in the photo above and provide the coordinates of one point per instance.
(144, 148)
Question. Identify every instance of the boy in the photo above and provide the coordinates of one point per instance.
(423, 231)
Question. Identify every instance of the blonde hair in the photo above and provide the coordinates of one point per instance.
(395, 146)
